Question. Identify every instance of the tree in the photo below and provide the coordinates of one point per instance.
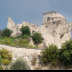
(37, 37)
(0, 32)
(25, 30)
(6, 32)
(65, 54)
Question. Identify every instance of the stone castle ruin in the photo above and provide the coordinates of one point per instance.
(55, 29)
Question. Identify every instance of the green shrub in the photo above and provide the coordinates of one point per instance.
(1, 38)
(37, 38)
(25, 36)
(7, 41)
(6, 32)
(14, 41)
(0, 33)
(65, 54)
(6, 61)
(19, 64)
(23, 42)
(6, 56)
(0, 60)
(1, 68)
(30, 46)
(25, 30)
(12, 38)
(50, 54)
(35, 47)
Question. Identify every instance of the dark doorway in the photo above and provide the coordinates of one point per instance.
(47, 19)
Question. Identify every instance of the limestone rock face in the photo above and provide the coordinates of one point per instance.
(56, 32)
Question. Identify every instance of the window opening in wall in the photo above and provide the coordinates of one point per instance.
(53, 22)
(46, 26)
(47, 19)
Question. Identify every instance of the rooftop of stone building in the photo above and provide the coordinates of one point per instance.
(57, 15)
(49, 12)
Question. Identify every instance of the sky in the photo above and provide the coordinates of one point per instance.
(31, 10)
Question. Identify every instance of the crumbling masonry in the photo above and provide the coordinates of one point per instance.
(55, 29)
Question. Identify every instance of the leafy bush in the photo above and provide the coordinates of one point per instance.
(25, 30)
(6, 56)
(1, 68)
(23, 42)
(37, 38)
(1, 37)
(30, 46)
(7, 41)
(0, 33)
(50, 54)
(35, 47)
(65, 54)
(6, 32)
(14, 41)
(6, 62)
(19, 64)
(25, 36)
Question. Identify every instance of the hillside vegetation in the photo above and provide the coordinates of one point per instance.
(20, 41)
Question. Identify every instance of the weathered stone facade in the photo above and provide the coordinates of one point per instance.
(56, 31)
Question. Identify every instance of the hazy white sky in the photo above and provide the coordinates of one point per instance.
(31, 10)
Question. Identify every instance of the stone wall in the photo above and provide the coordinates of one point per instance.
(25, 53)
(16, 28)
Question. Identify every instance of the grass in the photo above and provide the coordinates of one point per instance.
(19, 41)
